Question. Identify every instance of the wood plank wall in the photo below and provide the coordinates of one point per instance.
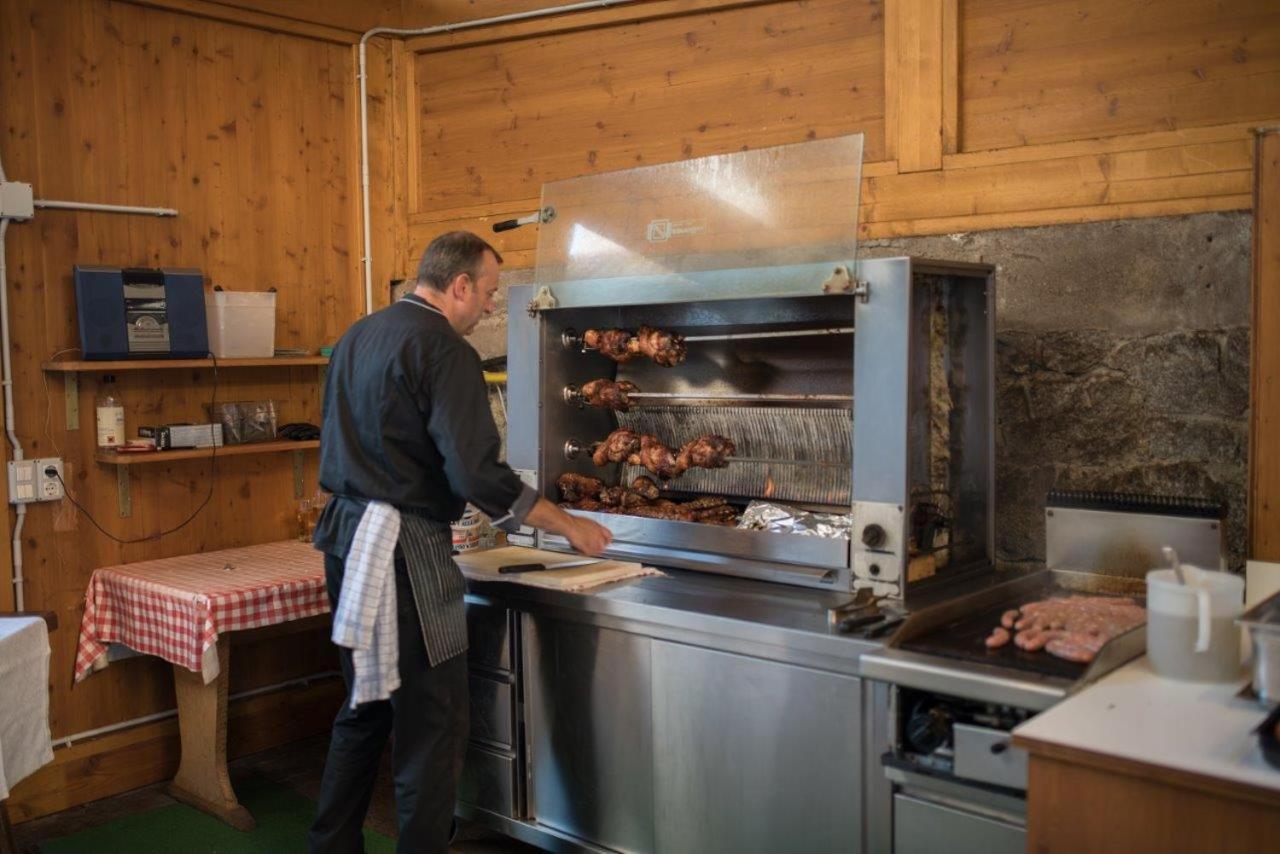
(241, 114)
(250, 134)
(978, 114)
(1264, 446)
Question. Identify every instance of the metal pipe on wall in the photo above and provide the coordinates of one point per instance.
(362, 78)
(91, 206)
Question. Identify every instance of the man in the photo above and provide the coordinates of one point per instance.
(407, 424)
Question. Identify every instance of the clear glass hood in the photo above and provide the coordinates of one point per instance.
(785, 205)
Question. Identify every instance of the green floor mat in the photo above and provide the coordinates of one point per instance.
(283, 817)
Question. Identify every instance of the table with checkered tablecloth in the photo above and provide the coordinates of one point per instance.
(182, 610)
(177, 607)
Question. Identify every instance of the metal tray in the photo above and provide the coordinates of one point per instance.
(957, 630)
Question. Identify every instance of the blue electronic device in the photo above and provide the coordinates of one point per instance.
(141, 313)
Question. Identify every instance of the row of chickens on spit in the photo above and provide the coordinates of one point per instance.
(643, 497)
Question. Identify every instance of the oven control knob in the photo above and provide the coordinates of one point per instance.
(873, 536)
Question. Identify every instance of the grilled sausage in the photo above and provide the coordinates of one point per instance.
(999, 637)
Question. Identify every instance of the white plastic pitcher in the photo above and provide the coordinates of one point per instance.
(1191, 630)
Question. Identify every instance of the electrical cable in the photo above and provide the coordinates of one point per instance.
(213, 480)
(48, 401)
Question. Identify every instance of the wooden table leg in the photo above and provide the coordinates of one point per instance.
(202, 780)
(7, 845)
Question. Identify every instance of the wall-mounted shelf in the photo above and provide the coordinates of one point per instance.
(80, 367)
(111, 458)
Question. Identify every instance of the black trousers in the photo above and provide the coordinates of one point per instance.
(426, 718)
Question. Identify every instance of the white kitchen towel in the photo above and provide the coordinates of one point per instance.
(365, 621)
(24, 699)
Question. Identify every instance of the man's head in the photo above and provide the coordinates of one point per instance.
(458, 274)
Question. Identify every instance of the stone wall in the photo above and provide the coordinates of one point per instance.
(1123, 361)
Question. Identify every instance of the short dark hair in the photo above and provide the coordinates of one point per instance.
(450, 255)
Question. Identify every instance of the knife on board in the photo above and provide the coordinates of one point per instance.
(536, 567)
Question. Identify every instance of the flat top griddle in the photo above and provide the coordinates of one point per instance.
(962, 639)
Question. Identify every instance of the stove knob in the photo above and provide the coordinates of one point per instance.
(873, 536)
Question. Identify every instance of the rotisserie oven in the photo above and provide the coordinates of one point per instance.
(702, 366)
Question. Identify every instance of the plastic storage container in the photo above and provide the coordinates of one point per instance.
(242, 324)
(1191, 628)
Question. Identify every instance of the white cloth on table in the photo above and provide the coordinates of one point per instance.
(365, 620)
(25, 744)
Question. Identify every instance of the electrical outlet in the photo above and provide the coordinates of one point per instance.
(22, 481)
(29, 483)
(48, 485)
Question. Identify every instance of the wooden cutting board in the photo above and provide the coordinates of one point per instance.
(484, 565)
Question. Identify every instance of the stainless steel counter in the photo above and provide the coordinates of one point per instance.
(689, 712)
(786, 624)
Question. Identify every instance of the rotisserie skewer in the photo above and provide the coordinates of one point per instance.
(621, 345)
(627, 446)
(623, 396)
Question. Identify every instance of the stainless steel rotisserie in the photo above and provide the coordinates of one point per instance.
(718, 299)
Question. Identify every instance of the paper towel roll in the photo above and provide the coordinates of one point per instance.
(1261, 579)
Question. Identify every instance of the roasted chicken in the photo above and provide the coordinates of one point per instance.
(664, 348)
(706, 452)
(619, 447)
(574, 487)
(642, 498)
(626, 445)
(620, 345)
(611, 343)
(607, 394)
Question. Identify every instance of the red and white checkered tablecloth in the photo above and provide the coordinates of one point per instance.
(176, 608)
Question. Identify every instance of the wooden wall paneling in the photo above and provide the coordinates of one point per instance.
(384, 212)
(146, 754)
(246, 132)
(1166, 174)
(1051, 216)
(1054, 70)
(1195, 171)
(496, 126)
(914, 81)
(269, 20)
(404, 169)
(606, 16)
(430, 13)
(1264, 432)
(950, 76)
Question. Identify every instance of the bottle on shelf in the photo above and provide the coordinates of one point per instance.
(110, 414)
(304, 520)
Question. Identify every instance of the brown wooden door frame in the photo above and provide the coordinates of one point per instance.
(1264, 419)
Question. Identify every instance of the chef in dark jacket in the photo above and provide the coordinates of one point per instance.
(407, 425)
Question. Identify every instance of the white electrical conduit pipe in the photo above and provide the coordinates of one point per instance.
(364, 99)
(68, 740)
(6, 378)
(90, 206)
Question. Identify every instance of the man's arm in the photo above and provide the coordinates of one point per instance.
(461, 425)
(583, 534)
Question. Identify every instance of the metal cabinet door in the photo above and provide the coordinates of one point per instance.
(925, 827)
(753, 755)
(587, 726)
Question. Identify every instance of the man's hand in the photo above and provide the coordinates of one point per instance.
(588, 537)
(584, 535)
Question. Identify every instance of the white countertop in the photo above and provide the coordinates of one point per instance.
(1134, 714)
